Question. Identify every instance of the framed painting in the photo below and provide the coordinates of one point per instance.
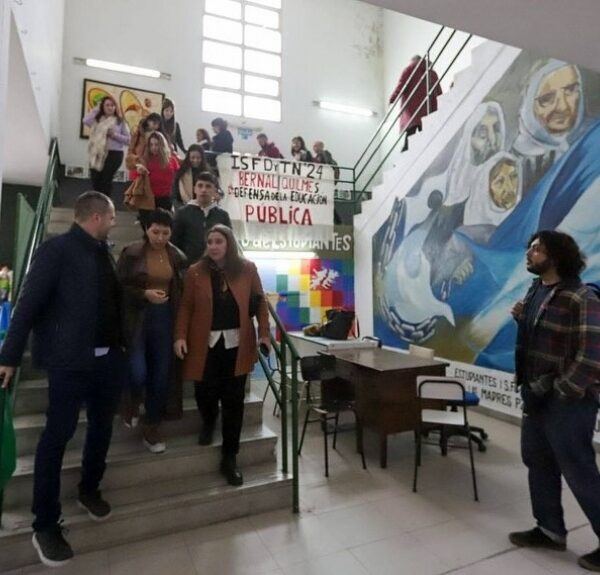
(134, 104)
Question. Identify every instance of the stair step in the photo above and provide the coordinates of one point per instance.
(28, 427)
(32, 396)
(262, 491)
(135, 474)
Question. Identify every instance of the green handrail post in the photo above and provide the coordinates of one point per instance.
(284, 408)
(295, 466)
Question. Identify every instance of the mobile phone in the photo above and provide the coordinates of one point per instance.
(264, 349)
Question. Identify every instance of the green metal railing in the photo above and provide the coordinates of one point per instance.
(387, 136)
(29, 234)
(287, 357)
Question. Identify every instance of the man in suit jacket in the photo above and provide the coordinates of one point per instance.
(70, 299)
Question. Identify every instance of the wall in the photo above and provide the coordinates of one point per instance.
(40, 28)
(330, 50)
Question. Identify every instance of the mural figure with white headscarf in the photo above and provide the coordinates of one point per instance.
(495, 191)
(483, 135)
(551, 118)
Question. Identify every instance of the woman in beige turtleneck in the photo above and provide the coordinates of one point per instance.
(151, 274)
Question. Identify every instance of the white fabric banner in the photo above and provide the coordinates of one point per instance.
(277, 200)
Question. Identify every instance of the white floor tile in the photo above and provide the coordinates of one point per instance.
(341, 563)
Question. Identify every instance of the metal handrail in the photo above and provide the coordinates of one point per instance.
(391, 109)
(286, 345)
(382, 133)
(399, 113)
(42, 212)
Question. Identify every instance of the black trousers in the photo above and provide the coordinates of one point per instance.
(409, 132)
(220, 385)
(99, 390)
(102, 180)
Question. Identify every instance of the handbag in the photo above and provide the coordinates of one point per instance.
(139, 196)
(339, 323)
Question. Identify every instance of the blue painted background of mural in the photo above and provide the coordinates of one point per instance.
(449, 262)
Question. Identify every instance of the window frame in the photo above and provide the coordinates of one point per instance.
(270, 54)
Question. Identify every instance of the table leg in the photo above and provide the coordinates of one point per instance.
(383, 451)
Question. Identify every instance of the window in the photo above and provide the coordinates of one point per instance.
(241, 53)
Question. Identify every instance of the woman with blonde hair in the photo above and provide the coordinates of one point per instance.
(159, 164)
(216, 338)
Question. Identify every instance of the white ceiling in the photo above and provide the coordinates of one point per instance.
(567, 30)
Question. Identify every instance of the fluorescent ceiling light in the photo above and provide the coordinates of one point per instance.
(344, 109)
(278, 255)
(122, 68)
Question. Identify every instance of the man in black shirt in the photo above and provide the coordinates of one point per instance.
(193, 221)
(70, 300)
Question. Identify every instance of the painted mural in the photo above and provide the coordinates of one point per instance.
(449, 262)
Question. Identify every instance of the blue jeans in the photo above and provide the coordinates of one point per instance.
(100, 391)
(150, 360)
(555, 441)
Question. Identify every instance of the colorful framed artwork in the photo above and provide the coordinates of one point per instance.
(134, 104)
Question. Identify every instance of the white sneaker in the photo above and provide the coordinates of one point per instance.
(158, 447)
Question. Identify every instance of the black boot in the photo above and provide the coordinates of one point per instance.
(206, 434)
(230, 470)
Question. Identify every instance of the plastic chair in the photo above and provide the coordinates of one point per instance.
(450, 390)
(334, 400)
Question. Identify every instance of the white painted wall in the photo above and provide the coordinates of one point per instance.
(331, 50)
(40, 28)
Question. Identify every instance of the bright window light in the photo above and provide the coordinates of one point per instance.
(122, 68)
(221, 102)
(222, 29)
(258, 85)
(262, 63)
(227, 8)
(261, 38)
(222, 78)
(221, 54)
(345, 109)
(261, 17)
(282, 255)
(267, 3)
(262, 108)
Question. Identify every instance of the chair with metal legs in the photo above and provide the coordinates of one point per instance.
(472, 400)
(334, 400)
(446, 389)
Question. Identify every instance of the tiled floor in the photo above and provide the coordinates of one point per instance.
(369, 522)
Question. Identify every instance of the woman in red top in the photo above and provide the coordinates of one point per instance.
(161, 166)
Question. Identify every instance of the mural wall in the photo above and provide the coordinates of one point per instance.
(449, 261)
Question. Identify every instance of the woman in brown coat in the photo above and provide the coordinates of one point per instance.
(216, 338)
(151, 273)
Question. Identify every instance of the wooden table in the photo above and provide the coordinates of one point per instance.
(385, 388)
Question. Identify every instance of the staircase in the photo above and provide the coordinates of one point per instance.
(151, 495)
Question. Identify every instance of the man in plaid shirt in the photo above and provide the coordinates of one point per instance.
(558, 371)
